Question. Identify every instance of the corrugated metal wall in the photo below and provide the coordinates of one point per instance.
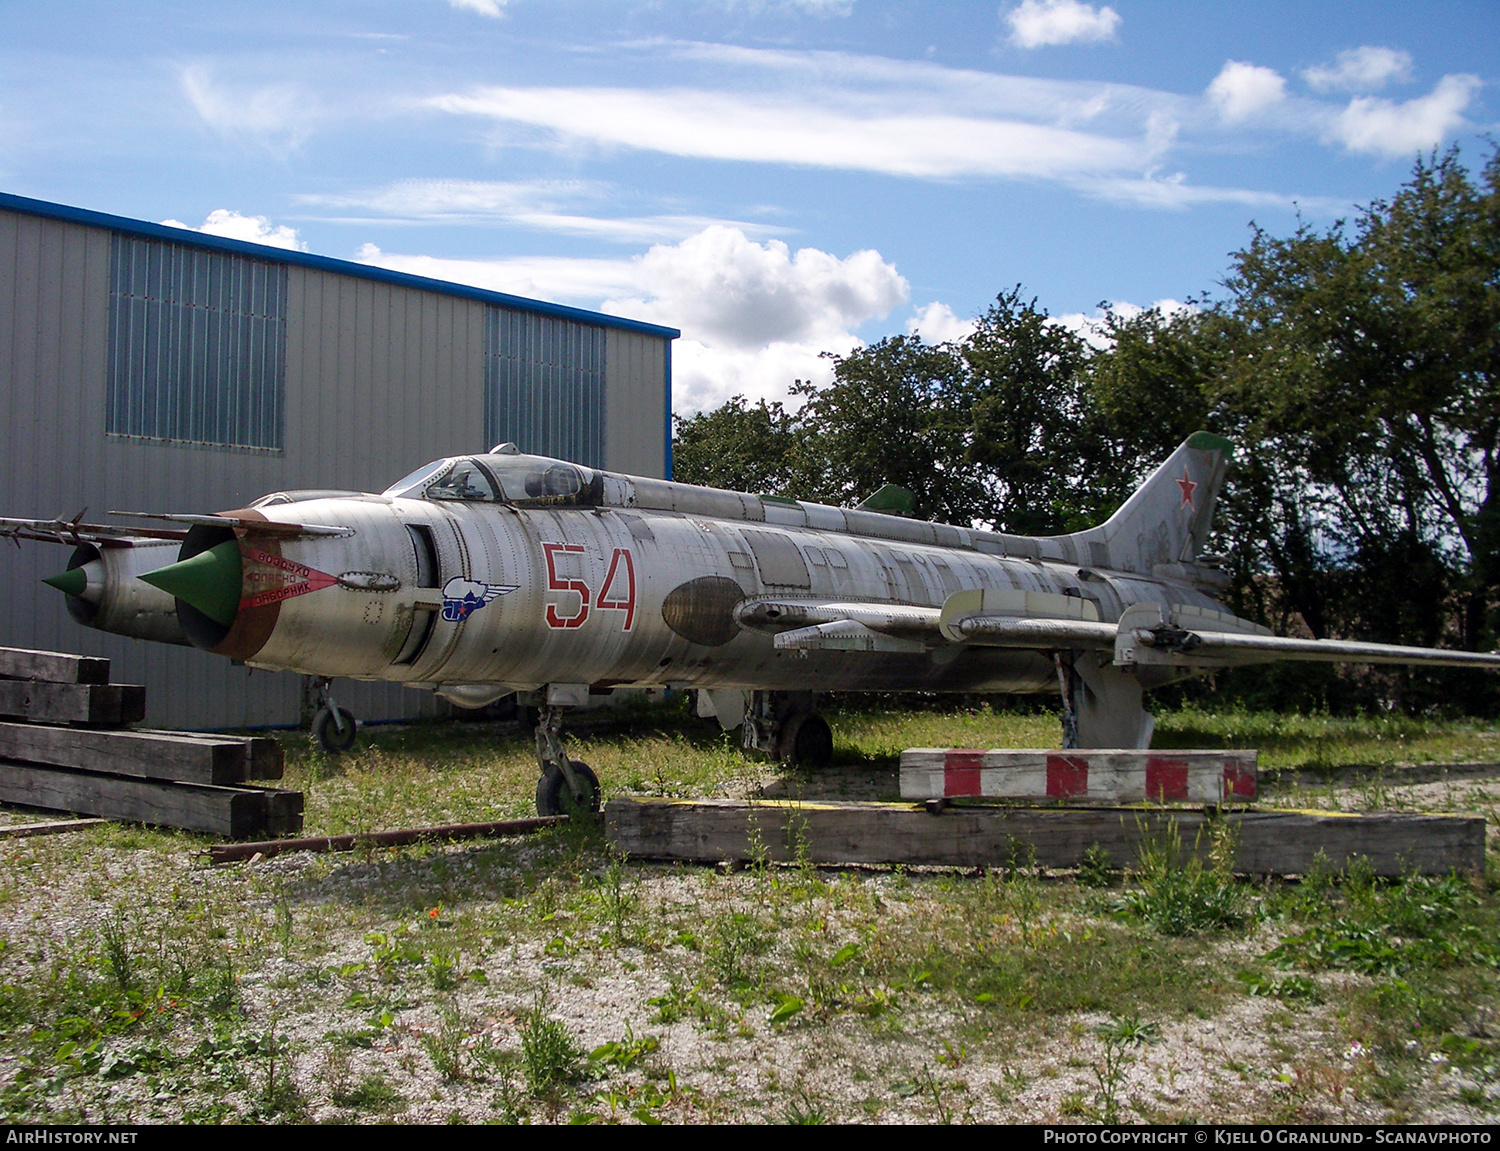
(197, 345)
(636, 432)
(544, 385)
(378, 379)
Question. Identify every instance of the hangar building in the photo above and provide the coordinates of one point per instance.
(153, 368)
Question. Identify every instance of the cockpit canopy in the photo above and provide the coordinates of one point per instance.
(520, 480)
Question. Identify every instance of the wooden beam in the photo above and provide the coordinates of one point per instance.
(51, 827)
(1269, 842)
(108, 704)
(52, 666)
(148, 754)
(266, 759)
(235, 852)
(236, 812)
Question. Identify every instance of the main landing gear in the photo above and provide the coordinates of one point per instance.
(567, 786)
(783, 726)
(333, 728)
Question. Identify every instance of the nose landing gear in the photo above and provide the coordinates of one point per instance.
(567, 786)
(333, 728)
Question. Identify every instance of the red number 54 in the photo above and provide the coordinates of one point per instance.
(617, 594)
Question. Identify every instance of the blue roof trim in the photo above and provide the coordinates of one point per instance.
(191, 238)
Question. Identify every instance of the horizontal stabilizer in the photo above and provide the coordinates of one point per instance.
(1193, 637)
(1230, 647)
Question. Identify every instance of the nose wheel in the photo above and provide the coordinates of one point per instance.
(555, 796)
(333, 728)
(567, 786)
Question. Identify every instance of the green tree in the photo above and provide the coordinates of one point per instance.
(896, 412)
(1046, 454)
(1375, 371)
(746, 447)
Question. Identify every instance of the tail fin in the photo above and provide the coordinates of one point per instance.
(1167, 520)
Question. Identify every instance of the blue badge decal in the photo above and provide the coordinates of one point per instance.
(463, 597)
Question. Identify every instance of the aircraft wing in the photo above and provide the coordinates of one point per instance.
(1181, 636)
(251, 525)
(75, 532)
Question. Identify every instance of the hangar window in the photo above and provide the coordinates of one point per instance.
(197, 346)
(544, 385)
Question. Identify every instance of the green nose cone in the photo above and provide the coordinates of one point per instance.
(72, 582)
(210, 581)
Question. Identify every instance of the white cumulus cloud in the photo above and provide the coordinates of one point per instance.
(732, 291)
(754, 316)
(1241, 90)
(1363, 69)
(1387, 128)
(1042, 23)
(1093, 327)
(252, 229)
(937, 324)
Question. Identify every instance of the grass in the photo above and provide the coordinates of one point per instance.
(138, 985)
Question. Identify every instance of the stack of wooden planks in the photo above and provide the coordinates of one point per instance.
(64, 747)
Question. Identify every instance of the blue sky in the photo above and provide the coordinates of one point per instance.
(777, 178)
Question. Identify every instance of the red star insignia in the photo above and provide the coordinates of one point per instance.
(1187, 487)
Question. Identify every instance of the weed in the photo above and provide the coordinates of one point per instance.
(618, 902)
(443, 968)
(733, 940)
(1292, 988)
(371, 1093)
(393, 949)
(507, 1101)
(625, 1052)
(950, 1056)
(1183, 897)
(1097, 868)
(804, 1111)
(279, 1094)
(930, 1086)
(445, 1044)
(115, 936)
(285, 928)
(789, 1007)
(1119, 1034)
(549, 1056)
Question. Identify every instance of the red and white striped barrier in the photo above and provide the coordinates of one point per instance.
(1113, 776)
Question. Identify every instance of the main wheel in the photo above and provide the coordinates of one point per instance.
(334, 736)
(806, 741)
(554, 798)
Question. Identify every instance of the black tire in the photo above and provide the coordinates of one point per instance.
(807, 742)
(327, 733)
(554, 798)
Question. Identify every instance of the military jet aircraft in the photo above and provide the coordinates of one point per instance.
(478, 576)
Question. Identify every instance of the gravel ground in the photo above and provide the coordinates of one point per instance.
(405, 985)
